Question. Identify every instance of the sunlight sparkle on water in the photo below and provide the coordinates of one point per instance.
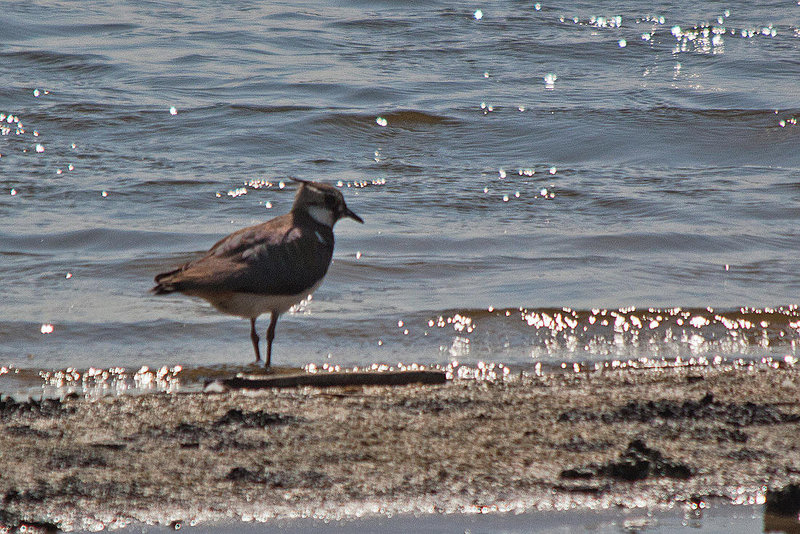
(629, 336)
(96, 382)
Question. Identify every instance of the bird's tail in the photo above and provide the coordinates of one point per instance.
(163, 285)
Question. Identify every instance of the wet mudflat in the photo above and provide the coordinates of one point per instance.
(591, 440)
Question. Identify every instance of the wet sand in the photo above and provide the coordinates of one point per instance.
(598, 440)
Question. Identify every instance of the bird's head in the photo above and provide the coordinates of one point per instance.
(323, 203)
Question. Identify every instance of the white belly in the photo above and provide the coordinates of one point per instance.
(251, 305)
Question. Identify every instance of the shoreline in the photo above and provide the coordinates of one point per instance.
(589, 441)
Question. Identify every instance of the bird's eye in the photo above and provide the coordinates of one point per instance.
(330, 202)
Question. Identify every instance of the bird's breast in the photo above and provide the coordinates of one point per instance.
(251, 305)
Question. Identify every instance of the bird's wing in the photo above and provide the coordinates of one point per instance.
(274, 258)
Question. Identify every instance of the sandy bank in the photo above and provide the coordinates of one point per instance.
(608, 438)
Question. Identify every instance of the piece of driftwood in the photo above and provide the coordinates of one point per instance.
(323, 380)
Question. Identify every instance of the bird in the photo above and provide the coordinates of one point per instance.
(268, 267)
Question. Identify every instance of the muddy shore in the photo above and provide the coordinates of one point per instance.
(602, 439)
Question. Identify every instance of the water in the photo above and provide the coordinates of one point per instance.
(534, 191)
(713, 519)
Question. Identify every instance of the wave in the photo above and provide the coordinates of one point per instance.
(407, 119)
(101, 239)
(255, 108)
(73, 63)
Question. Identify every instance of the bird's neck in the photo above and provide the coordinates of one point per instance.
(321, 215)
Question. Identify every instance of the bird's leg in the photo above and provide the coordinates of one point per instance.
(254, 339)
(270, 336)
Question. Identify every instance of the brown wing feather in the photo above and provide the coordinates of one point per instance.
(279, 257)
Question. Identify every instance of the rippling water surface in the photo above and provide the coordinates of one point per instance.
(541, 182)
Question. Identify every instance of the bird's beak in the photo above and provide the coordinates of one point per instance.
(348, 213)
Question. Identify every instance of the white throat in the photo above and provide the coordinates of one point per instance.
(322, 215)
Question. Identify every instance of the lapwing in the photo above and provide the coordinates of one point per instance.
(269, 267)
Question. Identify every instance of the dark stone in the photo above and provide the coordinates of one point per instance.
(628, 468)
(10, 522)
(734, 435)
(638, 462)
(187, 434)
(676, 470)
(279, 479)
(188, 429)
(231, 441)
(579, 473)
(110, 446)
(258, 419)
(75, 458)
(242, 474)
(748, 455)
(31, 495)
(26, 430)
(784, 502)
(582, 488)
(434, 406)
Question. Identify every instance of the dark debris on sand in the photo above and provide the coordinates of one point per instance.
(255, 419)
(10, 408)
(739, 414)
(638, 462)
(279, 479)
